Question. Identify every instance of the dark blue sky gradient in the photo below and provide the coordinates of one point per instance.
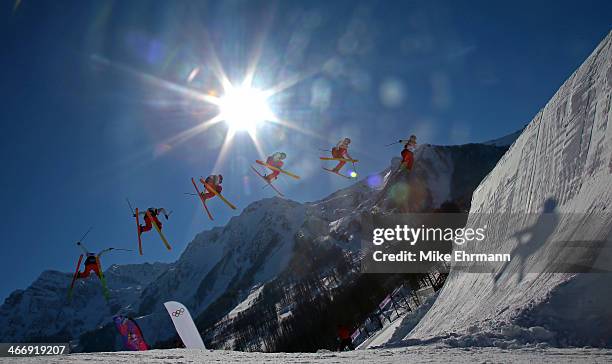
(83, 127)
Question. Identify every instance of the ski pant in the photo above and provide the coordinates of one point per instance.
(209, 194)
(272, 176)
(88, 269)
(407, 159)
(339, 153)
(339, 166)
(148, 225)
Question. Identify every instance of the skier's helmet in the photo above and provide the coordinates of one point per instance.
(282, 155)
(220, 177)
(347, 140)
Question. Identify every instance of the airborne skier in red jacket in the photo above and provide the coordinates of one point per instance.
(341, 151)
(213, 181)
(91, 262)
(275, 160)
(153, 211)
(408, 153)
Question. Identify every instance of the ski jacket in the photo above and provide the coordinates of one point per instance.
(91, 259)
(407, 158)
(153, 211)
(212, 180)
(274, 162)
(342, 145)
(339, 153)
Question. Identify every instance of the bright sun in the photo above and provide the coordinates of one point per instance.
(244, 108)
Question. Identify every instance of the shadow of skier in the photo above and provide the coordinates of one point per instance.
(536, 235)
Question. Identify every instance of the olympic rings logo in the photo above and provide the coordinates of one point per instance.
(178, 312)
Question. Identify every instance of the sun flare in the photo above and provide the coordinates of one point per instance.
(244, 108)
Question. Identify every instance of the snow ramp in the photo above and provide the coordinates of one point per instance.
(561, 167)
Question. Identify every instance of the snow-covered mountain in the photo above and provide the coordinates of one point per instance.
(220, 267)
(42, 312)
(555, 185)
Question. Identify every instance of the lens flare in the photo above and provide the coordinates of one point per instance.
(244, 108)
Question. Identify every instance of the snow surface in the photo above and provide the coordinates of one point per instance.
(248, 302)
(415, 354)
(562, 160)
(393, 334)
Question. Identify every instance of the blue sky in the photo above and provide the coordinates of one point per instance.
(87, 120)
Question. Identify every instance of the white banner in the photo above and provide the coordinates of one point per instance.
(184, 325)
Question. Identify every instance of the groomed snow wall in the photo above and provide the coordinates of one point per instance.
(562, 165)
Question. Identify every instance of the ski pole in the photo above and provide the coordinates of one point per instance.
(126, 250)
(388, 145)
(85, 235)
(130, 205)
(189, 193)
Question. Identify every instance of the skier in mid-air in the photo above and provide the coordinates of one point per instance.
(408, 152)
(153, 212)
(275, 160)
(213, 181)
(91, 262)
(341, 151)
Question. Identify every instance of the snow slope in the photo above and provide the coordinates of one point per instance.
(393, 334)
(248, 302)
(562, 165)
(416, 354)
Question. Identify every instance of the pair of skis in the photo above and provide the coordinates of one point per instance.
(274, 169)
(268, 182)
(341, 160)
(161, 234)
(100, 276)
(148, 214)
(277, 169)
(214, 191)
(338, 173)
(100, 273)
